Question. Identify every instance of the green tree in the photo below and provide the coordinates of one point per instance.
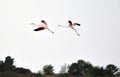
(97, 71)
(80, 68)
(73, 69)
(1, 66)
(22, 70)
(84, 67)
(111, 69)
(48, 69)
(8, 65)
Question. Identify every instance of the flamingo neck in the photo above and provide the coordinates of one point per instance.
(71, 24)
(45, 23)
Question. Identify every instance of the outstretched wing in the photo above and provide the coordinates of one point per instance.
(77, 24)
(39, 28)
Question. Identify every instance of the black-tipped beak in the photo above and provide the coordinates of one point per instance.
(43, 21)
(70, 22)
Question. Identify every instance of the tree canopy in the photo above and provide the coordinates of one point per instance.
(48, 69)
(79, 68)
(7, 66)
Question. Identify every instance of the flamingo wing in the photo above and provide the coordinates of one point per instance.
(39, 28)
(77, 24)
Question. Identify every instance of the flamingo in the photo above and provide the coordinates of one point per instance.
(42, 27)
(71, 25)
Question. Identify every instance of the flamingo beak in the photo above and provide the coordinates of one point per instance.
(43, 21)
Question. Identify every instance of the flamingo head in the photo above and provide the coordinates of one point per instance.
(43, 21)
(70, 22)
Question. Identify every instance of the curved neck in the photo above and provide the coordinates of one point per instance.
(45, 23)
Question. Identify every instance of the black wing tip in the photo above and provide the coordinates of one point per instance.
(79, 24)
(36, 29)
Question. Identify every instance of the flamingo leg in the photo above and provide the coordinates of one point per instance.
(50, 30)
(63, 26)
(75, 31)
(34, 24)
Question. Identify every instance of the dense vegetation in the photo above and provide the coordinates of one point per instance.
(80, 68)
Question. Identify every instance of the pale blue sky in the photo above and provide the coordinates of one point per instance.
(98, 43)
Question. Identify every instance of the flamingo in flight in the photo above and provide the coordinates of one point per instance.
(71, 25)
(42, 27)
